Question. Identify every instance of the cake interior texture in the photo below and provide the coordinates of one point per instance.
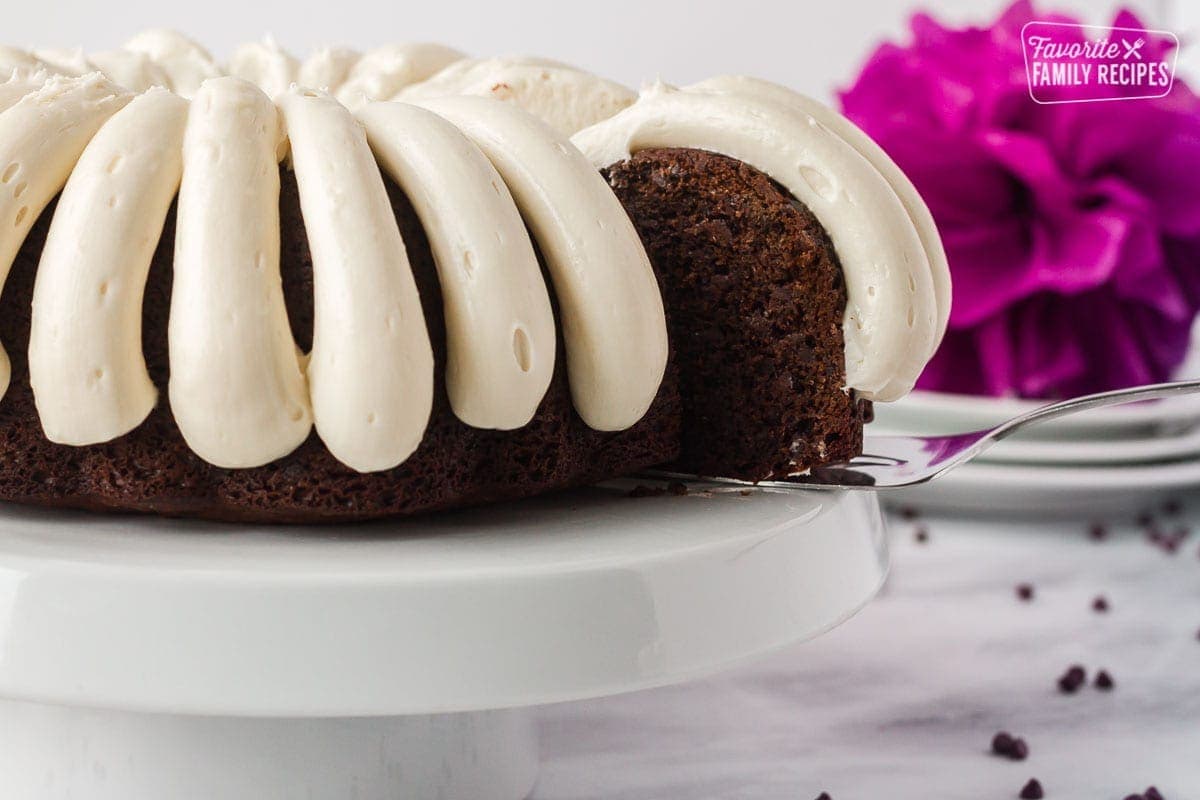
(754, 299)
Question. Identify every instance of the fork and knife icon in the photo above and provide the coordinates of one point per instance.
(1133, 48)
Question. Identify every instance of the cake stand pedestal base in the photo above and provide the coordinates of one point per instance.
(55, 751)
(151, 659)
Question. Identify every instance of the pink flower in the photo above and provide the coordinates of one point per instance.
(1072, 230)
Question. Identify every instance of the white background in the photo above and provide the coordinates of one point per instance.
(813, 46)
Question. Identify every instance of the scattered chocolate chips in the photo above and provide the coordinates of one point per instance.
(642, 490)
(1100, 604)
(677, 488)
(1011, 747)
(1104, 681)
(1070, 681)
(1032, 790)
(921, 535)
(1025, 591)
(1097, 532)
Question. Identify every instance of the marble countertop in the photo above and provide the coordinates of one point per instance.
(902, 701)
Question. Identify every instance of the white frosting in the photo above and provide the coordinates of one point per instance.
(914, 204)
(371, 368)
(136, 72)
(500, 336)
(14, 58)
(266, 65)
(384, 71)
(327, 69)
(184, 64)
(613, 323)
(64, 61)
(41, 137)
(891, 312)
(20, 84)
(567, 98)
(237, 384)
(86, 366)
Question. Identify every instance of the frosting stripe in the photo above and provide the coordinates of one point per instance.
(371, 369)
(891, 315)
(237, 387)
(86, 366)
(613, 322)
(500, 334)
(21, 84)
(41, 138)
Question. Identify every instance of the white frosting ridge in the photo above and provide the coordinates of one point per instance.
(237, 386)
(266, 65)
(41, 137)
(612, 314)
(184, 64)
(914, 204)
(371, 368)
(14, 58)
(64, 61)
(500, 335)
(86, 367)
(567, 98)
(381, 73)
(21, 83)
(327, 68)
(891, 312)
(134, 71)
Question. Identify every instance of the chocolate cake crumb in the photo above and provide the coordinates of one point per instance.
(909, 513)
(756, 300)
(1070, 681)
(1135, 797)
(921, 535)
(1152, 793)
(1097, 532)
(677, 488)
(1100, 604)
(642, 490)
(1025, 592)
(824, 796)
(1104, 681)
(1011, 747)
(1032, 790)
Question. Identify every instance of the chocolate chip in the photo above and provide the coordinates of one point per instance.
(1070, 681)
(1032, 790)
(1011, 747)
(677, 488)
(1097, 532)
(1104, 681)
(1100, 604)
(1025, 591)
(1152, 793)
(921, 535)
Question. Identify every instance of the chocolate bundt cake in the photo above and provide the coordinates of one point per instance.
(235, 297)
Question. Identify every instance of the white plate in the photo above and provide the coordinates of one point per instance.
(1085, 492)
(1089, 452)
(938, 412)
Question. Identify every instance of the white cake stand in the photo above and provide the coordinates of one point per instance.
(143, 659)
